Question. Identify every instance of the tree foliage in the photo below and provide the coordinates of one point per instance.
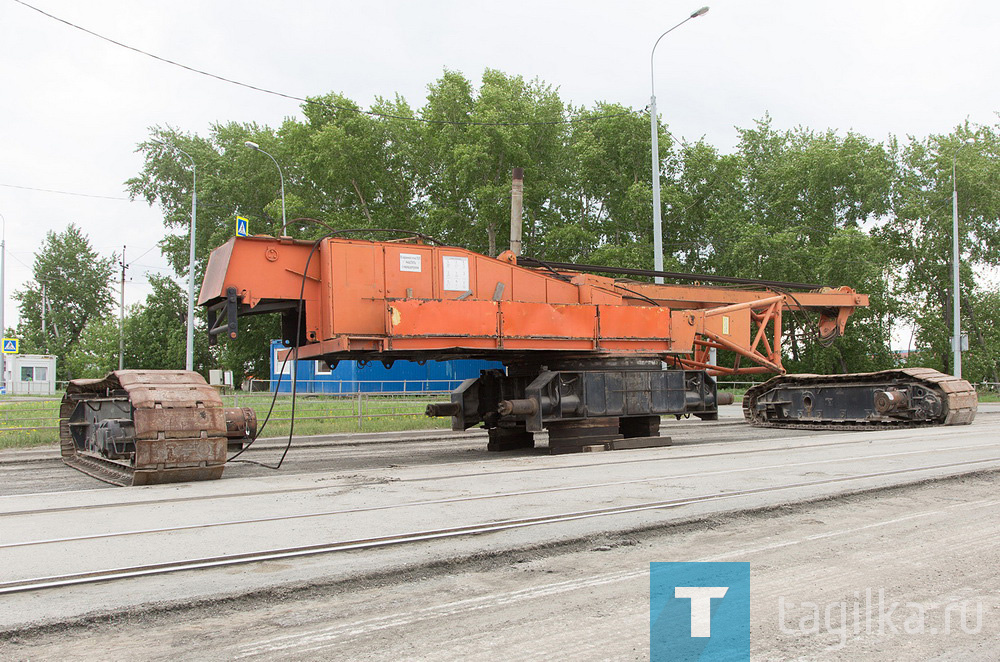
(798, 205)
(76, 282)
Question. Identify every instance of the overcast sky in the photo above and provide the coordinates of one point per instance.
(74, 107)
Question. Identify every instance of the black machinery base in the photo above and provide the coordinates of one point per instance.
(584, 406)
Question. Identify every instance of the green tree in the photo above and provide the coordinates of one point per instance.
(917, 239)
(800, 205)
(470, 143)
(76, 281)
(156, 330)
(96, 353)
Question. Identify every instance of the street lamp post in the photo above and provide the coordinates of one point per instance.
(956, 256)
(657, 235)
(254, 146)
(189, 354)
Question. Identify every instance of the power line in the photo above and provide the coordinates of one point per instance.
(292, 97)
(50, 190)
(144, 253)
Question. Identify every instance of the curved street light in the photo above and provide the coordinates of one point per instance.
(189, 353)
(657, 222)
(254, 146)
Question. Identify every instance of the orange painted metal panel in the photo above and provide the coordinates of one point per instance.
(734, 326)
(454, 319)
(541, 320)
(682, 329)
(528, 286)
(260, 268)
(634, 322)
(358, 289)
(492, 273)
(637, 347)
(551, 344)
(557, 291)
(409, 267)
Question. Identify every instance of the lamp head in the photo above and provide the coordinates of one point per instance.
(252, 145)
(699, 12)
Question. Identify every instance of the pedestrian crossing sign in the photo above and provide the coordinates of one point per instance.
(10, 345)
(242, 225)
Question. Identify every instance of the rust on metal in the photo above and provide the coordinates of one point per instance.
(164, 426)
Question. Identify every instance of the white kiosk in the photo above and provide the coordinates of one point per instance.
(31, 374)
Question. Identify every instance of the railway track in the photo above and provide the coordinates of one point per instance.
(605, 461)
(47, 454)
(144, 570)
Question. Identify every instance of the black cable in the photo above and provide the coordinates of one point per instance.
(315, 221)
(546, 265)
(312, 101)
(260, 429)
(638, 295)
(295, 372)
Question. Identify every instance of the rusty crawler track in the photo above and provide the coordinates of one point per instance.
(958, 395)
(180, 427)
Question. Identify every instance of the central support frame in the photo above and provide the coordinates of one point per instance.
(584, 404)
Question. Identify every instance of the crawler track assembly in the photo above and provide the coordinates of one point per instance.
(909, 397)
(139, 427)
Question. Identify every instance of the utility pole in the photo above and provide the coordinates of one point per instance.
(189, 355)
(121, 316)
(45, 336)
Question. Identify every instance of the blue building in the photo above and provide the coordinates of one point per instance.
(350, 377)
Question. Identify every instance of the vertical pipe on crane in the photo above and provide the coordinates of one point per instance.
(516, 207)
(121, 317)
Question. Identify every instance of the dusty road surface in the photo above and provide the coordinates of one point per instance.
(36, 470)
(932, 545)
(837, 527)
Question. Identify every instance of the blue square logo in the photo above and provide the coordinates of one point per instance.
(699, 611)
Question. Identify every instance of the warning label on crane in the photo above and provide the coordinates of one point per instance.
(455, 273)
(409, 262)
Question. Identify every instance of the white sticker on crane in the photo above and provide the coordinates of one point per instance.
(725, 325)
(455, 273)
(409, 262)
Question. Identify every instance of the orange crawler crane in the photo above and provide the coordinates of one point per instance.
(594, 360)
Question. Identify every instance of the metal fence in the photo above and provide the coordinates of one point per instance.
(379, 400)
(348, 410)
(351, 409)
(342, 386)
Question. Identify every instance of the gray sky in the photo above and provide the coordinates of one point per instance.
(74, 107)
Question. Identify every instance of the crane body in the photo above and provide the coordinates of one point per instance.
(593, 360)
